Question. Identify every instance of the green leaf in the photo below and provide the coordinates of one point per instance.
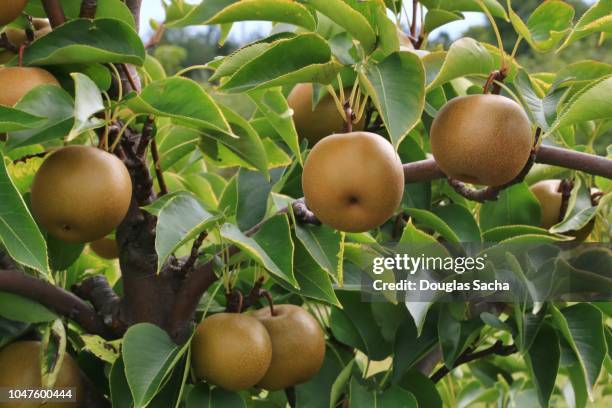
(591, 103)
(340, 383)
(325, 245)
(411, 345)
(180, 219)
(314, 281)
(455, 335)
(247, 147)
(515, 205)
(582, 327)
(254, 251)
(396, 86)
(356, 317)
(52, 102)
(543, 362)
(121, 397)
(84, 41)
(229, 11)
(303, 58)
(433, 221)
(436, 18)
(422, 388)
(348, 18)
(474, 392)
(502, 233)
(465, 56)
(274, 238)
(201, 396)
(580, 210)
(596, 19)
(14, 119)
(149, 356)
(461, 220)
(496, 9)
(546, 26)
(87, 102)
(22, 309)
(184, 101)
(21, 237)
(115, 9)
(273, 105)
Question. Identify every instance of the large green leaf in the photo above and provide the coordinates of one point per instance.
(83, 41)
(546, 26)
(348, 18)
(179, 220)
(455, 335)
(591, 103)
(149, 356)
(14, 119)
(396, 86)
(433, 221)
(582, 327)
(52, 102)
(393, 396)
(22, 309)
(87, 102)
(596, 19)
(465, 56)
(314, 281)
(254, 251)
(115, 9)
(21, 237)
(496, 9)
(412, 345)
(423, 389)
(183, 100)
(437, 17)
(273, 105)
(325, 245)
(461, 220)
(303, 58)
(229, 11)
(543, 362)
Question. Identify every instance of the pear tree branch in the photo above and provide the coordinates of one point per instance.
(61, 301)
(55, 12)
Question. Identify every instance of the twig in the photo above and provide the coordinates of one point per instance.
(565, 188)
(413, 22)
(130, 78)
(156, 38)
(88, 9)
(55, 12)
(497, 349)
(235, 300)
(193, 256)
(159, 173)
(57, 299)
(303, 214)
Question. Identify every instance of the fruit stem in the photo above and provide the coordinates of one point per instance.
(500, 44)
(268, 296)
(22, 48)
(516, 46)
(348, 117)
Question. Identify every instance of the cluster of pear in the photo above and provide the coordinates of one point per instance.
(20, 368)
(237, 351)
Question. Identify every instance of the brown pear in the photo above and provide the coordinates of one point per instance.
(353, 181)
(20, 369)
(231, 350)
(18, 36)
(481, 139)
(316, 124)
(15, 82)
(105, 248)
(81, 193)
(10, 10)
(298, 346)
(549, 195)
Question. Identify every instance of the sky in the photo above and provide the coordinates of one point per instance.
(153, 9)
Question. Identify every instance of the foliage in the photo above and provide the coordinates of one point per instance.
(231, 160)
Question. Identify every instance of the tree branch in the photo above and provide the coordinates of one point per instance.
(88, 9)
(59, 300)
(55, 12)
(426, 170)
(98, 291)
(467, 356)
